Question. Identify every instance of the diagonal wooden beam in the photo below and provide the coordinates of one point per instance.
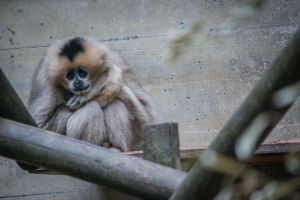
(12, 107)
(87, 162)
(263, 103)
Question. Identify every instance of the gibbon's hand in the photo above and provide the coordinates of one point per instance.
(109, 93)
(104, 99)
(76, 102)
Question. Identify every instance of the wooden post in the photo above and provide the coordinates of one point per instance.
(204, 183)
(87, 161)
(161, 144)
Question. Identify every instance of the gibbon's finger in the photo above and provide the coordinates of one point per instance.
(75, 102)
(71, 101)
(75, 105)
(82, 101)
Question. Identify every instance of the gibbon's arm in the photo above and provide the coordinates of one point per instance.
(107, 90)
(43, 98)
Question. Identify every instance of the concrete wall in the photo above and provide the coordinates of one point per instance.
(200, 91)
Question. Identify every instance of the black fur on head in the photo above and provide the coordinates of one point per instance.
(72, 48)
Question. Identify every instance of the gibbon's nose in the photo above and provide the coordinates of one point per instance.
(78, 85)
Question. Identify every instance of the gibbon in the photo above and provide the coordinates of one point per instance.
(84, 90)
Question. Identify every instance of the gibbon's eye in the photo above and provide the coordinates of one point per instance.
(82, 73)
(70, 75)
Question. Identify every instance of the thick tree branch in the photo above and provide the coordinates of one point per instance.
(201, 182)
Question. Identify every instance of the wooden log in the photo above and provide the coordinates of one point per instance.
(161, 144)
(87, 162)
(204, 183)
(13, 108)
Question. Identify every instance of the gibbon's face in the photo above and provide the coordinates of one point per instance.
(76, 64)
(78, 80)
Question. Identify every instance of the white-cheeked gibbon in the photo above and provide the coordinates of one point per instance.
(84, 90)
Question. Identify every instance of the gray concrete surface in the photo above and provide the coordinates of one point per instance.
(199, 92)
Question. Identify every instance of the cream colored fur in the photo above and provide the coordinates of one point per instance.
(113, 110)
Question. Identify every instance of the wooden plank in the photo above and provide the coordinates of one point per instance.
(161, 144)
(281, 147)
(86, 161)
(267, 159)
(265, 154)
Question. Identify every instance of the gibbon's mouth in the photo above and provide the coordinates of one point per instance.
(82, 90)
